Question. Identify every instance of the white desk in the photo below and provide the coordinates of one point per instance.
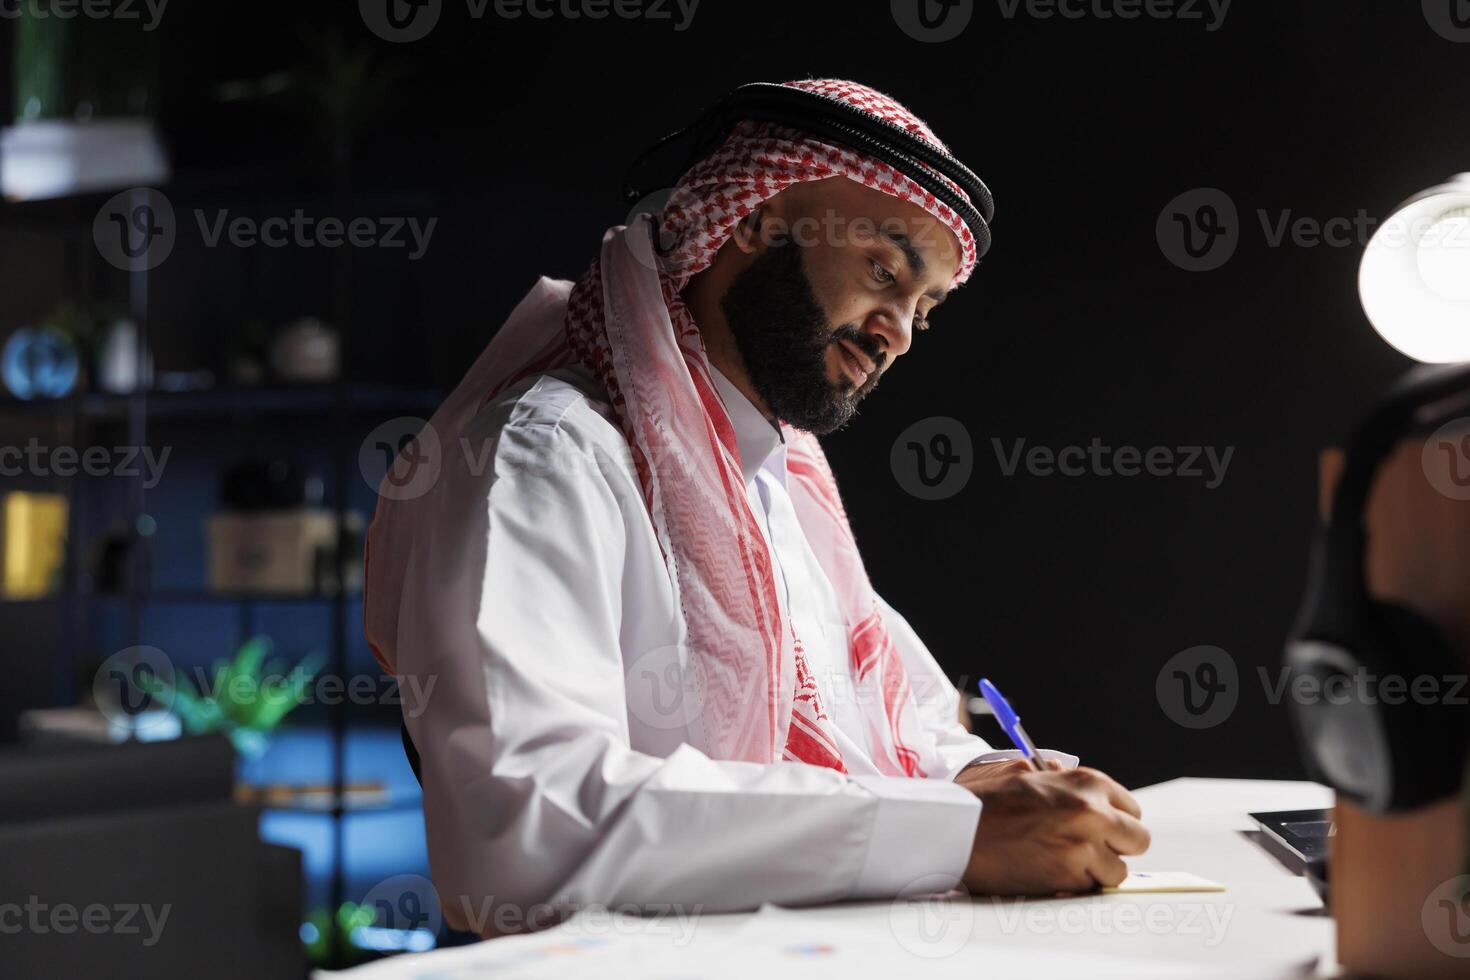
(1266, 919)
(1268, 923)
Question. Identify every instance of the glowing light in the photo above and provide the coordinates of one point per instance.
(1414, 280)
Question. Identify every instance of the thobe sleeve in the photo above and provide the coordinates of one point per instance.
(938, 701)
(532, 793)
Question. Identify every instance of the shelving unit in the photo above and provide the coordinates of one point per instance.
(336, 411)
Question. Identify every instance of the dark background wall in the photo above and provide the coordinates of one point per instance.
(1070, 592)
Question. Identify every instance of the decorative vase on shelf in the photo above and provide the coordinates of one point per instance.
(117, 367)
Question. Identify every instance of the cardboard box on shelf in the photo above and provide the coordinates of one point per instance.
(284, 552)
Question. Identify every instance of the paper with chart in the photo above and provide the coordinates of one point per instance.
(771, 942)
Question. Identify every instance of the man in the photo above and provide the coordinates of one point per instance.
(655, 669)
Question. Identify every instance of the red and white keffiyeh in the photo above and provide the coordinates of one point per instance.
(749, 692)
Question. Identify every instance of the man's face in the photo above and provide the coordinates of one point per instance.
(840, 278)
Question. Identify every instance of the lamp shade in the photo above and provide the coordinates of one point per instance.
(1414, 280)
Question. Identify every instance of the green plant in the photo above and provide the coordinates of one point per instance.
(336, 85)
(245, 697)
(67, 66)
(321, 929)
(85, 327)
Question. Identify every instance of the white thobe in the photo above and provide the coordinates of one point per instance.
(540, 610)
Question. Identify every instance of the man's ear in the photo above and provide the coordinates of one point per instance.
(746, 234)
(769, 224)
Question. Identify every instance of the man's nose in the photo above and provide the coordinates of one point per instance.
(892, 330)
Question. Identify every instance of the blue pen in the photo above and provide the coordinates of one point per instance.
(1011, 722)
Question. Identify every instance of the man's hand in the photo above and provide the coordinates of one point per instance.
(1046, 832)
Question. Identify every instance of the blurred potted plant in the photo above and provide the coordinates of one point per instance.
(246, 697)
(84, 91)
(83, 329)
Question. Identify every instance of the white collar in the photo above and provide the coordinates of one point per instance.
(759, 440)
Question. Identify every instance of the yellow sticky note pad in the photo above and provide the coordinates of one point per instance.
(1164, 881)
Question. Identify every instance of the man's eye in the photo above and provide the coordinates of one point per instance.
(881, 273)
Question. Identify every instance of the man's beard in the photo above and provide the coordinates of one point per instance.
(783, 336)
